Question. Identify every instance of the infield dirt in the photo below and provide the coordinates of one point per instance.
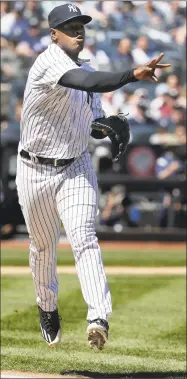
(24, 375)
(110, 245)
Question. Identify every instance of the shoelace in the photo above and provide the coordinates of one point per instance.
(47, 321)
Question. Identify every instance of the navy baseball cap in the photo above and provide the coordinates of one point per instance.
(66, 12)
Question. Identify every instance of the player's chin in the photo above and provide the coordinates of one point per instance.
(79, 45)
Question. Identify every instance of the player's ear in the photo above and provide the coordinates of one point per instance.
(53, 33)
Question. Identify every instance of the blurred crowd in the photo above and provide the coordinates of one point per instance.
(121, 36)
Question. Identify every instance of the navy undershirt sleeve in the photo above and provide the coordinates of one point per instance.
(96, 81)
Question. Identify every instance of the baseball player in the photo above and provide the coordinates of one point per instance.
(56, 181)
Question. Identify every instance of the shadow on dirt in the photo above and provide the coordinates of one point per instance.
(123, 375)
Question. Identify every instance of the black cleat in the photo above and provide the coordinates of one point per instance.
(97, 331)
(50, 327)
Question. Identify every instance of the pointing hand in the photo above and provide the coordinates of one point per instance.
(147, 72)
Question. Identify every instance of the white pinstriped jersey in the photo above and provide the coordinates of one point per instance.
(56, 121)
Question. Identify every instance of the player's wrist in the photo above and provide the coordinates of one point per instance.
(133, 77)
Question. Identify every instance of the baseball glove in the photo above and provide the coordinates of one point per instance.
(117, 129)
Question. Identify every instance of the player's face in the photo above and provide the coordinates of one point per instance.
(70, 37)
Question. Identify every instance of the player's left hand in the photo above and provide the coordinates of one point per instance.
(147, 72)
(117, 129)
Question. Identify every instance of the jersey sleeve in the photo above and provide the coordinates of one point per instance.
(50, 66)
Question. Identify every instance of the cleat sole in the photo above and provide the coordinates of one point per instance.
(96, 339)
(52, 346)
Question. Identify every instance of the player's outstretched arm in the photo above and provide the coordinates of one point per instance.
(101, 81)
(96, 81)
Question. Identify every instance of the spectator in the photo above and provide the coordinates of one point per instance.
(179, 34)
(98, 15)
(85, 5)
(124, 58)
(127, 9)
(142, 93)
(128, 105)
(141, 114)
(13, 24)
(173, 82)
(97, 57)
(10, 126)
(115, 212)
(163, 104)
(32, 9)
(115, 17)
(30, 41)
(7, 18)
(169, 101)
(18, 109)
(5, 8)
(141, 53)
(89, 52)
(167, 166)
(164, 136)
(107, 103)
(48, 5)
(147, 14)
(178, 115)
(180, 134)
(9, 63)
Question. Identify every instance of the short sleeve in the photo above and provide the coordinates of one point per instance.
(50, 66)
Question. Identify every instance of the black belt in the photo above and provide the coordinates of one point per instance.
(42, 160)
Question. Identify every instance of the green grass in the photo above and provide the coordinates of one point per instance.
(147, 329)
(20, 257)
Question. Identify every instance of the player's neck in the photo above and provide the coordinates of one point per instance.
(74, 57)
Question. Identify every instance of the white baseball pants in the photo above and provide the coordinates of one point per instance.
(48, 196)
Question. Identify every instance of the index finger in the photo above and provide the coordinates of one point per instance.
(163, 65)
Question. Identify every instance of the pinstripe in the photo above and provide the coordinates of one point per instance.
(30, 222)
(46, 241)
(46, 266)
(76, 202)
(39, 117)
(34, 213)
(88, 268)
(53, 122)
(56, 123)
(56, 232)
(28, 217)
(44, 126)
(93, 267)
(79, 130)
(49, 241)
(63, 113)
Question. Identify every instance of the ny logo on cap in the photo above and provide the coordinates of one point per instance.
(72, 8)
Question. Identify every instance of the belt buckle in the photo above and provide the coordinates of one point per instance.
(56, 162)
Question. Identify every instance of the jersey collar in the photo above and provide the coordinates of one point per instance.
(82, 61)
